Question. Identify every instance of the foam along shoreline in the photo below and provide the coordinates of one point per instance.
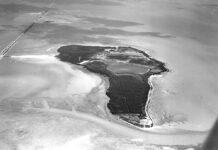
(128, 71)
(150, 136)
(35, 58)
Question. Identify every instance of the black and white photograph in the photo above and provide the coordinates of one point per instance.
(108, 74)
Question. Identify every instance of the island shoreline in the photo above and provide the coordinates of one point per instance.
(132, 108)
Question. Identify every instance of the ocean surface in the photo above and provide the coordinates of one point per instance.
(47, 104)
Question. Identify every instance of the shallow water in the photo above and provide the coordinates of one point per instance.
(182, 34)
(45, 77)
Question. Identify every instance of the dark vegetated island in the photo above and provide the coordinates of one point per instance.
(127, 69)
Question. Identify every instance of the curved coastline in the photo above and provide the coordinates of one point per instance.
(147, 136)
(128, 92)
(150, 136)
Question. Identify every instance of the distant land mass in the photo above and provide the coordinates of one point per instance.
(127, 69)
